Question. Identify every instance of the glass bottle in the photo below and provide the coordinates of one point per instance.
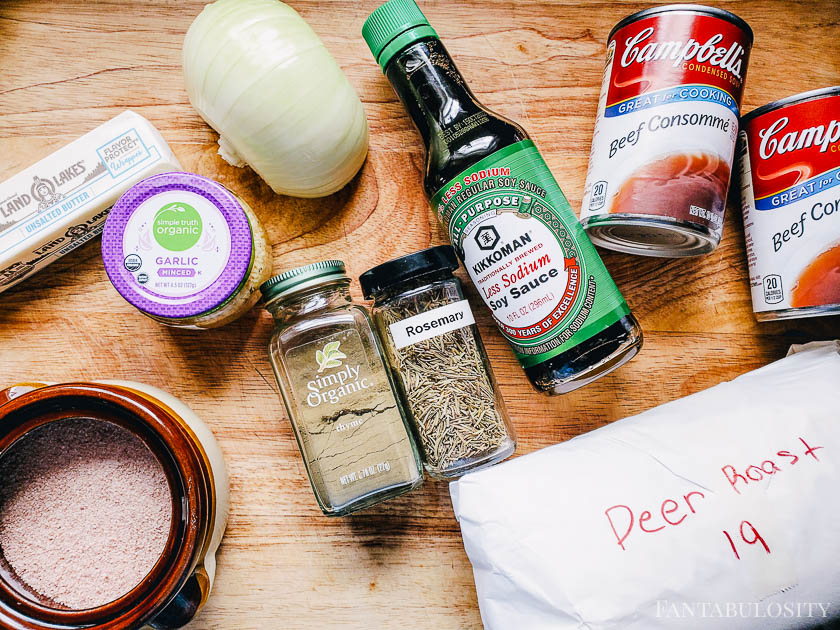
(349, 423)
(510, 223)
(439, 363)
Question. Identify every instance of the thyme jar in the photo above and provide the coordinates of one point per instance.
(439, 362)
(349, 423)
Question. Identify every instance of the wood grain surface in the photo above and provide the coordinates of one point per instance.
(69, 65)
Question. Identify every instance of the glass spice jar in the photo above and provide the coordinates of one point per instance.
(348, 420)
(439, 362)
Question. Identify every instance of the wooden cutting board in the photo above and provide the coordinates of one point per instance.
(69, 65)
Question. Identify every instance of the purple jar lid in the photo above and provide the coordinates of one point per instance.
(177, 245)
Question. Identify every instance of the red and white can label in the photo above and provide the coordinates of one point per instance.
(667, 121)
(790, 197)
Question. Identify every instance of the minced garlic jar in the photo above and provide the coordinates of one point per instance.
(186, 251)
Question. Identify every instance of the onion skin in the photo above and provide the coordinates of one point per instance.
(261, 77)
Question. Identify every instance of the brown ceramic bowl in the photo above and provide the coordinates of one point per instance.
(179, 583)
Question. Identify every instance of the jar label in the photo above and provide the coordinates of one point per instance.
(527, 254)
(347, 418)
(790, 197)
(326, 375)
(176, 244)
(437, 321)
(667, 120)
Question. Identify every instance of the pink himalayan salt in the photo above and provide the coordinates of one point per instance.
(85, 511)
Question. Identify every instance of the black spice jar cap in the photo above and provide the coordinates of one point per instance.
(394, 272)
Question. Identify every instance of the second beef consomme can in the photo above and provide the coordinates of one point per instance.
(666, 130)
(790, 196)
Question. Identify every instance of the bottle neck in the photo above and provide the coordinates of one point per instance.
(457, 130)
(308, 301)
(430, 87)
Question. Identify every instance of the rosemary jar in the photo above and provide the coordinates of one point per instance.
(347, 417)
(440, 365)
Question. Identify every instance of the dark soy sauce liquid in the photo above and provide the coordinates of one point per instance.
(457, 132)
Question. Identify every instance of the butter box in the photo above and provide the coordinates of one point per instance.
(61, 202)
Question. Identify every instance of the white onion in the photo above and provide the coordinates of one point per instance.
(261, 77)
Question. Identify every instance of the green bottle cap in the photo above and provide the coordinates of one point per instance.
(392, 27)
(301, 278)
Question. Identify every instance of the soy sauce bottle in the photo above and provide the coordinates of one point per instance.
(510, 223)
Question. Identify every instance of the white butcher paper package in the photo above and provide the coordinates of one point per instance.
(718, 510)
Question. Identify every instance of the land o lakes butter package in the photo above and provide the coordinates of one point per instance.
(61, 202)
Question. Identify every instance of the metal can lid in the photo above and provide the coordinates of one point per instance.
(688, 8)
(177, 245)
(812, 95)
(309, 275)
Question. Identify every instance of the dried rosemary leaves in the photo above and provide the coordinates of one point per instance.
(439, 362)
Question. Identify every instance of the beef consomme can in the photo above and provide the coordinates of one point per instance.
(665, 134)
(789, 154)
